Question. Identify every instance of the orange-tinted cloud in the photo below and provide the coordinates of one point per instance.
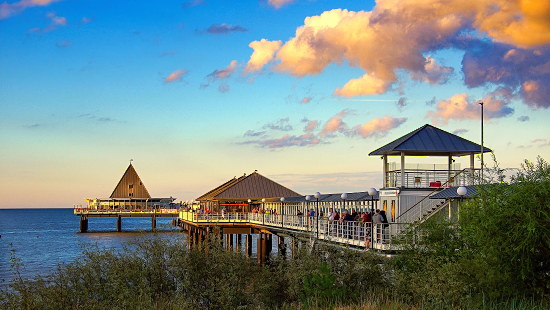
(335, 124)
(287, 141)
(460, 107)
(433, 73)
(175, 76)
(311, 126)
(10, 9)
(264, 51)
(378, 127)
(399, 35)
(223, 73)
(279, 3)
(55, 21)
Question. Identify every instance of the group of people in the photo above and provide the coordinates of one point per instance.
(360, 231)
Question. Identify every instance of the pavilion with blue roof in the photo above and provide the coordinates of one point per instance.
(407, 185)
(425, 141)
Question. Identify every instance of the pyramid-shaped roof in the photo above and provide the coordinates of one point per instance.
(130, 186)
(430, 140)
(254, 186)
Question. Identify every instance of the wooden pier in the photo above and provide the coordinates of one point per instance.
(86, 213)
(230, 228)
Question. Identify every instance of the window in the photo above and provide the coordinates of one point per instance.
(131, 194)
(130, 186)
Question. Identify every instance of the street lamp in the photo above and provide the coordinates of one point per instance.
(263, 210)
(482, 148)
(308, 198)
(344, 196)
(461, 191)
(317, 195)
(372, 191)
(282, 210)
(249, 201)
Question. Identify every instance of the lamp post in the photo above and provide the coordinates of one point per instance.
(482, 148)
(308, 198)
(263, 210)
(282, 211)
(372, 191)
(344, 196)
(461, 191)
(317, 196)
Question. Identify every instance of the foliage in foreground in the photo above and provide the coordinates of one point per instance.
(499, 251)
(496, 257)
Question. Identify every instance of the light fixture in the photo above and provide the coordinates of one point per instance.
(282, 199)
(317, 195)
(344, 196)
(372, 191)
(308, 197)
(462, 191)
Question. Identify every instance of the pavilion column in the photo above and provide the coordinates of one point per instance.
(402, 169)
(385, 170)
(472, 169)
(450, 164)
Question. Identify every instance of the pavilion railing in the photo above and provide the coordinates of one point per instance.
(419, 178)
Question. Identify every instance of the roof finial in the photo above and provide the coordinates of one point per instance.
(131, 160)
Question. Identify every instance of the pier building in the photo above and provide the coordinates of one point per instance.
(244, 193)
(130, 198)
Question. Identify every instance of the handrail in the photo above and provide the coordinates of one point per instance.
(430, 194)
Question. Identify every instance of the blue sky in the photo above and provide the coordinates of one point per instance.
(88, 85)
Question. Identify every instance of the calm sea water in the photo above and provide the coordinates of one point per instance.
(44, 238)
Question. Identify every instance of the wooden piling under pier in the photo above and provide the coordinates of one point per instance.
(83, 224)
(119, 224)
(85, 215)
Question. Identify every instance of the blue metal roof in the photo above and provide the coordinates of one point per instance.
(430, 140)
(450, 192)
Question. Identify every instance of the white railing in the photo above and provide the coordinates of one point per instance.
(379, 236)
(80, 210)
(428, 178)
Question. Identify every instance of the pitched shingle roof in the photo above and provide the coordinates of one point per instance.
(430, 140)
(130, 186)
(254, 186)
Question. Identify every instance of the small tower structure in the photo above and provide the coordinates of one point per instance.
(407, 186)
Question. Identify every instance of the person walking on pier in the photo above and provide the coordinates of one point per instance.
(384, 225)
(377, 224)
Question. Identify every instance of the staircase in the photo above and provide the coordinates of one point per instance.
(426, 207)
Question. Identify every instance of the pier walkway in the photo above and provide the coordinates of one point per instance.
(351, 233)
